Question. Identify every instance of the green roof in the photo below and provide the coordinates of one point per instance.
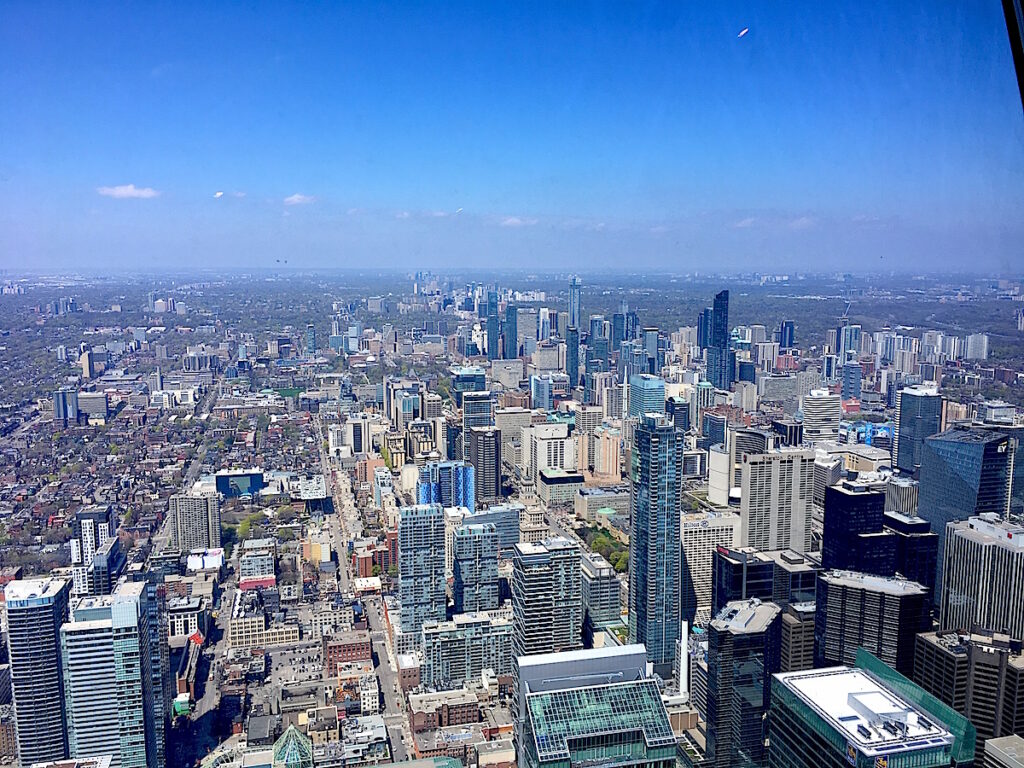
(559, 717)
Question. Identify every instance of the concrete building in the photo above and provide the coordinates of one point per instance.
(194, 521)
(980, 675)
(457, 652)
(421, 566)
(701, 533)
(983, 576)
(475, 568)
(775, 507)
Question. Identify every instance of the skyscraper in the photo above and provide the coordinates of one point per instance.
(979, 674)
(654, 555)
(92, 527)
(743, 654)
(484, 455)
(574, 301)
(65, 407)
(646, 394)
(572, 356)
(853, 536)
(448, 483)
(822, 412)
(194, 521)
(862, 716)
(421, 567)
(964, 472)
(701, 534)
(775, 500)
(511, 332)
(36, 609)
(918, 416)
(493, 345)
(882, 615)
(787, 335)
(720, 361)
(547, 602)
(851, 380)
(107, 678)
(983, 575)
(475, 568)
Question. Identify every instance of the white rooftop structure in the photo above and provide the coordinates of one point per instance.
(869, 716)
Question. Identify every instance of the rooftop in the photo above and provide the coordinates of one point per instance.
(743, 616)
(33, 589)
(869, 716)
(892, 586)
(559, 717)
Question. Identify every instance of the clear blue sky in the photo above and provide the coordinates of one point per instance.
(857, 135)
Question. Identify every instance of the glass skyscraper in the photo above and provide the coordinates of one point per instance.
(965, 472)
(448, 483)
(654, 555)
(646, 394)
(918, 416)
(574, 301)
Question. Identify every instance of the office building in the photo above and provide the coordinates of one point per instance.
(448, 483)
(822, 412)
(646, 394)
(721, 360)
(1006, 751)
(596, 707)
(465, 378)
(602, 604)
(856, 610)
(36, 609)
(775, 500)
(865, 716)
(484, 455)
(917, 548)
(964, 472)
(194, 521)
(91, 528)
(983, 576)
(510, 332)
(743, 573)
(654, 555)
(979, 674)
(108, 694)
(65, 407)
(477, 411)
(575, 289)
(458, 652)
(796, 637)
(421, 567)
(787, 335)
(743, 654)
(572, 356)
(493, 345)
(505, 518)
(702, 533)
(475, 568)
(919, 415)
(854, 537)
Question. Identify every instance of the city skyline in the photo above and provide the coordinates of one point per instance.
(646, 134)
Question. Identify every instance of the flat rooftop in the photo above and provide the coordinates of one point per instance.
(33, 589)
(869, 716)
(744, 616)
(891, 586)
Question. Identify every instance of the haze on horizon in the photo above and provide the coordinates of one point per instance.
(647, 135)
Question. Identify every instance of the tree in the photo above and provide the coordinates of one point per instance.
(375, 571)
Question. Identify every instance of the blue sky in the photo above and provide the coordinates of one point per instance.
(855, 135)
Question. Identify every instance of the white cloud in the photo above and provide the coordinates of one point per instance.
(126, 191)
(402, 215)
(438, 214)
(746, 223)
(298, 199)
(803, 222)
(238, 194)
(517, 221)
(218, 195)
